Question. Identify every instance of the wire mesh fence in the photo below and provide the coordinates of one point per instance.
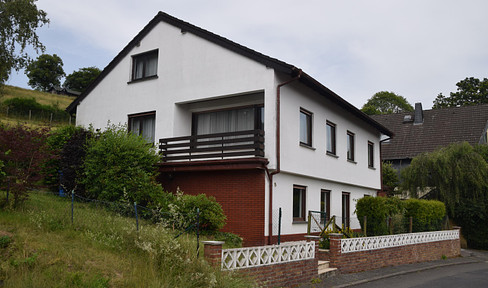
(52, 118)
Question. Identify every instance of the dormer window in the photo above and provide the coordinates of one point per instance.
(145, 65)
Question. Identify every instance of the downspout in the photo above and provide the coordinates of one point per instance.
(381, 165)
(278, 154)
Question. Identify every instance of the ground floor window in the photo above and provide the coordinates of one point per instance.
(299, 199)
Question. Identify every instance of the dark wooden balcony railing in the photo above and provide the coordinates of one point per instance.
(213, 146)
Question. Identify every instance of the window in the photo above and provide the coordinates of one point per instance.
(370, 154)
(230, 120)
(143, 124)
(350, 146)
(324, 206)
(346, 218)
(331, 138)
(305, 127)
(145, 65)
(299, 196)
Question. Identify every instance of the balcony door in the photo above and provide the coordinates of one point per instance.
(228, 120)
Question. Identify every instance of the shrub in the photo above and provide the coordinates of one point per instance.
(471, 216)
(183, 212)
(22, 106)
(376, 209)
(56, 141)
(120, 166)
(427, 214)
(72, 157)
(24, 151)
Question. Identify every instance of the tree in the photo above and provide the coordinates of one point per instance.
(45, 72)
(19, 21)
(470, 91)
(120, 166)
(390, 178)
(79, 80)
(386, 103)
(24, 151)
(458, 176)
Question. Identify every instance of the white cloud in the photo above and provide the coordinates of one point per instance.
(356, 48)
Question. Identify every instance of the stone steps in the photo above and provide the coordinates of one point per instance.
(325, 271)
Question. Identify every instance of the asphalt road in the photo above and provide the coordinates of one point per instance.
(465, 275)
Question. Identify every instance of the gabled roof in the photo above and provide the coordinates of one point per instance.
(274, 63)
(440, 127)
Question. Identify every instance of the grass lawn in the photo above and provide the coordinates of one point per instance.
(39, 247)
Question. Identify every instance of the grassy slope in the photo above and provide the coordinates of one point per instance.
(61, 101)
(100, 250)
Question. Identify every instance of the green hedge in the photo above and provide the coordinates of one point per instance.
(428, 215)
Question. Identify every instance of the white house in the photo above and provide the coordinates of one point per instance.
(276, 137)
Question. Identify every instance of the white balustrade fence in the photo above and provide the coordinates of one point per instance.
(248, 257)
(387, 241)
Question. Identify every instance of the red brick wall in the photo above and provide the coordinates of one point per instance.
(240, 192)
(373, 259)
(291, 274)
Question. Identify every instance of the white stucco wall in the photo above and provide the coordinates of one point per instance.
(190, 69)
(283, 197)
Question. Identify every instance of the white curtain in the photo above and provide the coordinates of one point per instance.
(225, 121)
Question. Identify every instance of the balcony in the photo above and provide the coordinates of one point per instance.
(217, 146)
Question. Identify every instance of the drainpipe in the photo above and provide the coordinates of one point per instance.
(278, 154)
(381, 165)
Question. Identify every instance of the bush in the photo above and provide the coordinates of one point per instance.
(183, 212)
(427, 215)
(377, 209)
(71, 161)
(56, 141)
(24, 151)
(22, 106)
(471, 216)
(121, 166)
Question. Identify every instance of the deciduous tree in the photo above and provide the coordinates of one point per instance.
(386, 103)
(19, 21)
(470, 91)
(79, 80)
(45, 72)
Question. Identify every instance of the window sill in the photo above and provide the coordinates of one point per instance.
(299, 222)
(372, 168)
(352, 161)
(307, 146)
(332, 155)
(143, 79)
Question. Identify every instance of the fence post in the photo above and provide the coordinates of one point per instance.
(279, 226)
(212, 251)
(137, 216)
(51, 118)
(410, 225)
(198, 232)
(309, 221)
(30, 114)
(8, 187)
(72, 204)
(365, 224)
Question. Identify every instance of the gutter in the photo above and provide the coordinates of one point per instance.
(278, 154)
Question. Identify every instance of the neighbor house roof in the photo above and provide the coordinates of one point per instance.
(237, 48)
(440, 127)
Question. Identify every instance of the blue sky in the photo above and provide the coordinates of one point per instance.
(415, 48)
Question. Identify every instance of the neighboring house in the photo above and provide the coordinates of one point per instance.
(276, 138)
(63, 91)
(426, 130)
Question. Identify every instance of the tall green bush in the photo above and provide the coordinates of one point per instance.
(120, 166)
(427, 215)
(377, 210)
(22, 106)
